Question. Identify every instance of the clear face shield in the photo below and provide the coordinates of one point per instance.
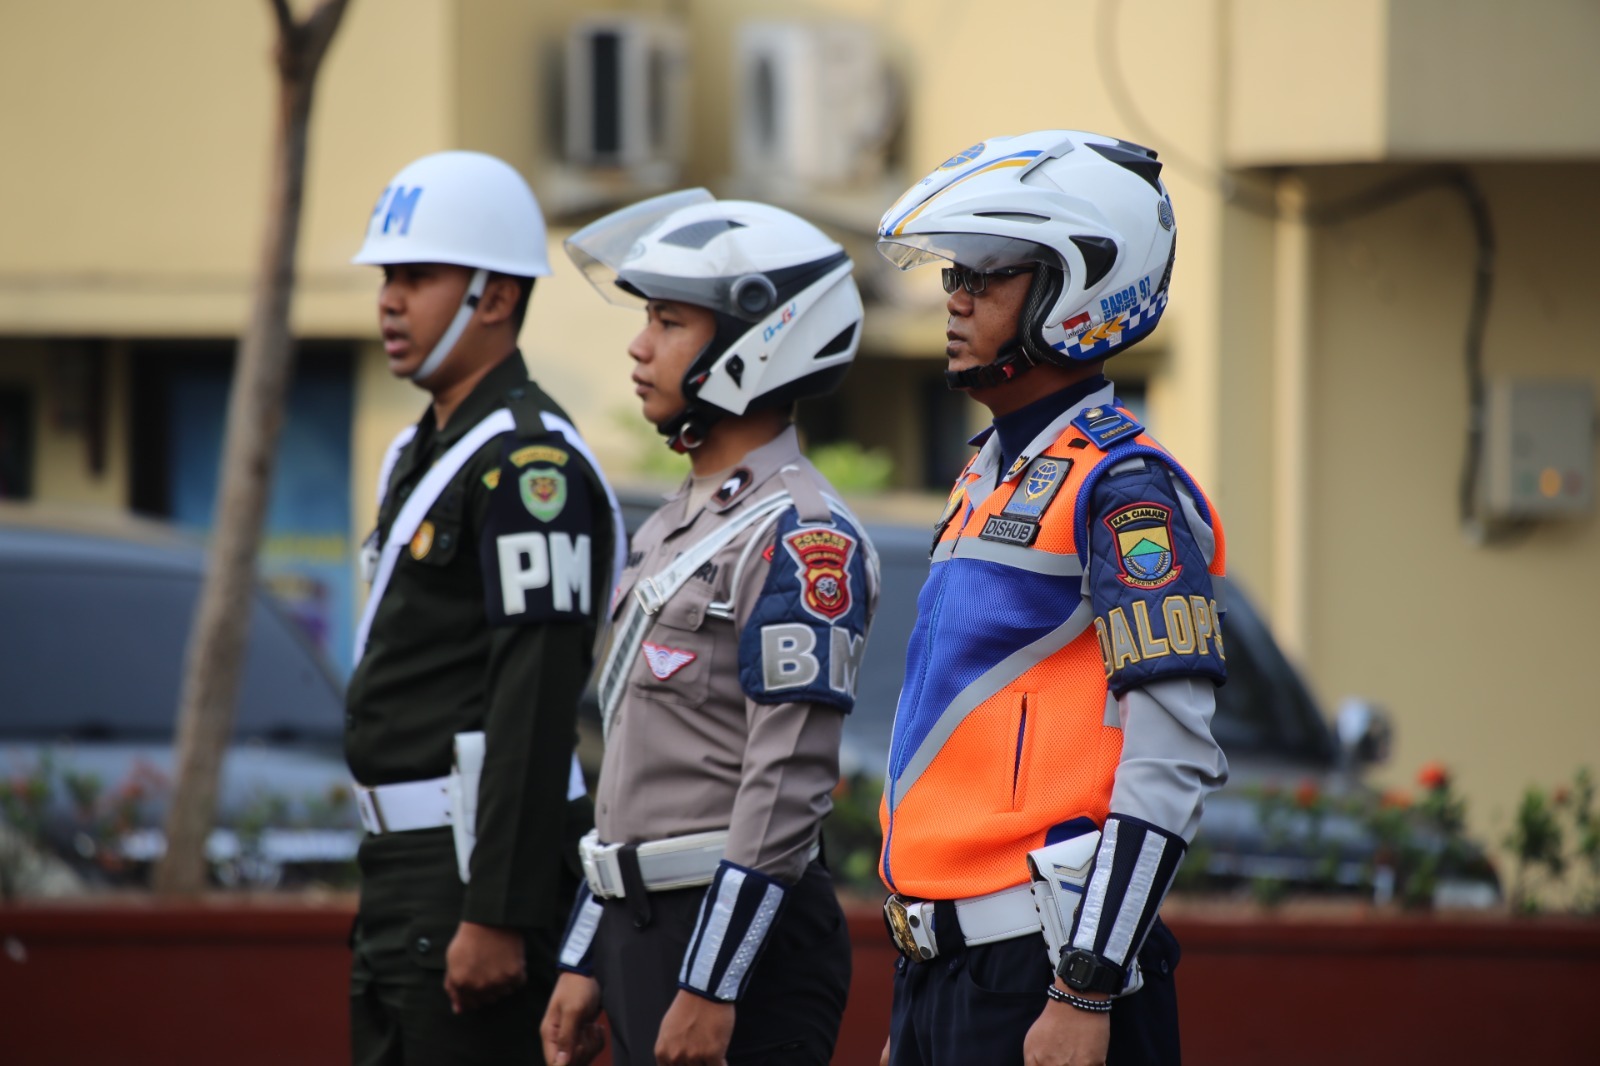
(978, 251)
(602, 247)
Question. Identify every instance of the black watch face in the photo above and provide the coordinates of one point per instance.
(1080, 970)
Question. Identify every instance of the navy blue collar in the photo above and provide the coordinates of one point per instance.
(1017, 429)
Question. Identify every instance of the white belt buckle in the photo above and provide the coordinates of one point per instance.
(600, 866)
(649, 597)
(367, 806)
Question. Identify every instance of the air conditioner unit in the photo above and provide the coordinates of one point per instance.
(626, 101)
(816, 105)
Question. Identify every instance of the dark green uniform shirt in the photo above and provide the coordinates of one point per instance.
(488, 623)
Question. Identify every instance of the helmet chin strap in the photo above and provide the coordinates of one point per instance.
(1012, 362)
(458, 325)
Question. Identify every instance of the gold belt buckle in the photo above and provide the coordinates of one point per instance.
(900, 922)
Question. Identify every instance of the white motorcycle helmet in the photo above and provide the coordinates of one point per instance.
(788, 315)
(1089, 210)
(461, 208)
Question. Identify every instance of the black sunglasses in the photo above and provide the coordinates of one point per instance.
(975, 281)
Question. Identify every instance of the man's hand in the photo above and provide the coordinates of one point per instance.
(1067, 1036)
(883, 1060)
(572, 1036)
(695, 1032)
(483, 963)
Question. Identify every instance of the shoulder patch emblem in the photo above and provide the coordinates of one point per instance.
(823, 556)
(1103, 425)
(736, 483)
(422, 542)
(664, 661)
(1037, 488)
(538, 453)
(1144, 545)
(544, 491)
(491, 480)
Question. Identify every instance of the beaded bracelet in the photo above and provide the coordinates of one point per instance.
(1093, 1006)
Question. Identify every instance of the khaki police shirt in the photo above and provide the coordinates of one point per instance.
(703, 738)
(444, 656)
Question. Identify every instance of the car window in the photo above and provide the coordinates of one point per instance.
(99, 653)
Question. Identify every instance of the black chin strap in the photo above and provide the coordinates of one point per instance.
(1010, 364)
(687, 430)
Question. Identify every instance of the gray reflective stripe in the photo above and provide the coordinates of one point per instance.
(715, 918)
(1137, 897)
(942, 551)
(582, 935)
(990, 682)
(750, 946)
(1094, 901)
(1033, 560)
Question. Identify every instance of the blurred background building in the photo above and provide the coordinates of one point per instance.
(1414, 509)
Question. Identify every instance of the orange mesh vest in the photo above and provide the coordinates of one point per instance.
(1000, 733)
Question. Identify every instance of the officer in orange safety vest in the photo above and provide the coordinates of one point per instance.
(1052, 747)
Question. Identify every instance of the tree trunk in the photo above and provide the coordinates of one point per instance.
(255, 417)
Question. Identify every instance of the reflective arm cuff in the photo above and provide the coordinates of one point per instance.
(738, 911)
(577, 943)
(1133, 871)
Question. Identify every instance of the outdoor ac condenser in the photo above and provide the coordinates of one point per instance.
(815, 105)
(625, 104)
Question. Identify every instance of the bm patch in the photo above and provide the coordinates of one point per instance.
(823, 557)
(1144, 545)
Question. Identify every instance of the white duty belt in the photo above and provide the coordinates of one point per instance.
(405, 806)
(678, 862)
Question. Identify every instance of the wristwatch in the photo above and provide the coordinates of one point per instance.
(1086, 972)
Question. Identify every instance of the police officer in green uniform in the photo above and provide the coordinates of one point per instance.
(496, 543)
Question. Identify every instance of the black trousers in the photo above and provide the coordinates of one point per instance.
(975, 1005)
(791, 1008)
(411, 897)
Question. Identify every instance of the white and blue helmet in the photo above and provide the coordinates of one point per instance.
(788, 314)
(1090, 209)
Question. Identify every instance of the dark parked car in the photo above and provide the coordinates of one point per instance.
(94, 620)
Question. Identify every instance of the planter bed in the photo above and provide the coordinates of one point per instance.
(131, 982)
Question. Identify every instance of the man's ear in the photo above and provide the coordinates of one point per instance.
(499, 301)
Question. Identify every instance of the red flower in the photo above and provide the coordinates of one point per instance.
(1306, 795)
(1433, 776)
(1395, 798)
(1561, 796)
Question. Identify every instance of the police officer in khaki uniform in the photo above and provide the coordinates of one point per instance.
(708, 929)
(495, 546)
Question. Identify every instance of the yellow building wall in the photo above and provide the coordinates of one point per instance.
(1480, 651)
(138, 137)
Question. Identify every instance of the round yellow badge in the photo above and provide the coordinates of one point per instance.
(422, 543)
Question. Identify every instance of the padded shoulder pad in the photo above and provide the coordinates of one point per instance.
(1105, 425)
(804, 640)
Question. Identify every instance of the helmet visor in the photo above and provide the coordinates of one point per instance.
(600, 248)
(980, 251)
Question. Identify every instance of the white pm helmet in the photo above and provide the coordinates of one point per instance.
(1089, 209)
(465, 209)
(788, 315)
